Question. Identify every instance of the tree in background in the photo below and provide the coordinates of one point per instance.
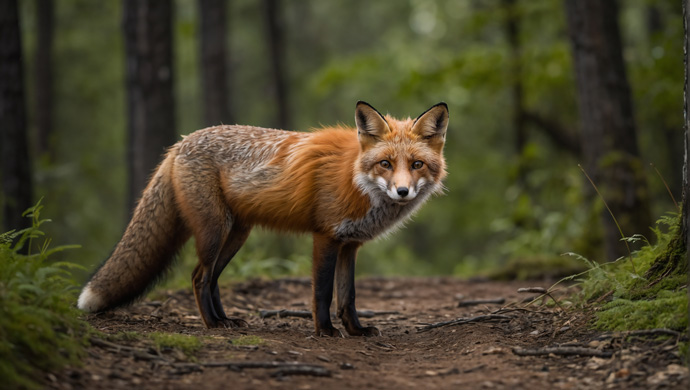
(608, 133)
(275, 34)
(14, 153)
(214, 62)
(150, 98)
(43, 86)
(684, 230)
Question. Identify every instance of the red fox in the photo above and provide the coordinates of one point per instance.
(344, 186)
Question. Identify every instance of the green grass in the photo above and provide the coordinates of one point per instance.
(40, 329)
(189, 345)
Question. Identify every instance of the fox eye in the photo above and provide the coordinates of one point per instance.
(385, 163)
(417, 164)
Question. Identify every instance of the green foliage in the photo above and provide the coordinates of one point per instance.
(40, 329)
(189, 345)
(639, 302)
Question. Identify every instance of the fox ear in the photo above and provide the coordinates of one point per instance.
(431, 126)
(371, 125)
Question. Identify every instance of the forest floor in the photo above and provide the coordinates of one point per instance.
(282, 352)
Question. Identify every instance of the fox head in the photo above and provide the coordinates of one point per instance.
(401, 160)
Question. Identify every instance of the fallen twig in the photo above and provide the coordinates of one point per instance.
(563, 351)
(282, 313)
(536, 290)
(136, 352)
(301, 370)
(465, 320)
(475, 302)
(539, 290)
(644, 332)
(283, 368)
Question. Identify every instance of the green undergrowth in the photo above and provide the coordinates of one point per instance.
(643, 291)
(40, 329)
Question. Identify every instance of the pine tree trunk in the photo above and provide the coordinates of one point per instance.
(150, 95)
(684, 231)
(275, 32)
(14, 154)
(608, 133)
(44, 77)
(214, 62)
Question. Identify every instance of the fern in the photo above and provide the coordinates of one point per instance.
(39, 326)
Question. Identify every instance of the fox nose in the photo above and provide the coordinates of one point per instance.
(403, 191)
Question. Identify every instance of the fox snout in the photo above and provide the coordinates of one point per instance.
(403, 193)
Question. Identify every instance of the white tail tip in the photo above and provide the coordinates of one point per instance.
(89, 301)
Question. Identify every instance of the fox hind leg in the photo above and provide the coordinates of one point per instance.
(237, 237)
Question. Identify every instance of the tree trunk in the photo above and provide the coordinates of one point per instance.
(44, 77)
(608, 134)
(214, 62)
(14, 153)
(275, 33)
(684, 231)
(513, 37)
(150, 99)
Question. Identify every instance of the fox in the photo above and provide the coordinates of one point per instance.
(343, 185)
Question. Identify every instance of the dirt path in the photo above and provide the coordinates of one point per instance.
(472, 355)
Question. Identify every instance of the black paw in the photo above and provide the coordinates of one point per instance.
(366, 331)
(329, 332)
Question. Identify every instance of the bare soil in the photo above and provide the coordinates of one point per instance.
(475, 355)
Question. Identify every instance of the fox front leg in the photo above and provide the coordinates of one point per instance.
(323, 272)
(345, 289)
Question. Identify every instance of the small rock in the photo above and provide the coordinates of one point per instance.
(494, 351)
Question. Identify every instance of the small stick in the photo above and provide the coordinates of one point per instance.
(563, 351)
(301, 370)
(539, 290)
(297, 368)
(136, 352)
(307, 314)
(644, 332)
(497, 301)
(465, 320)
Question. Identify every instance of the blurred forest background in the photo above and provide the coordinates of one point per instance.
(516, 197)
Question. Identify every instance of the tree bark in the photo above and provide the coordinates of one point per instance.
(608, 133)
(275, 33)
(44, 77)
(214, 62)
(515, 62)
(684, 231)
(150, 94)
(17, 188)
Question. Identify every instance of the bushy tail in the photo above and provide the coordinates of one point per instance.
(148, 246)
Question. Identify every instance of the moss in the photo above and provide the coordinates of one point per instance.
(653, 297)
(248, 340)
(189, 345)
(667, 310)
